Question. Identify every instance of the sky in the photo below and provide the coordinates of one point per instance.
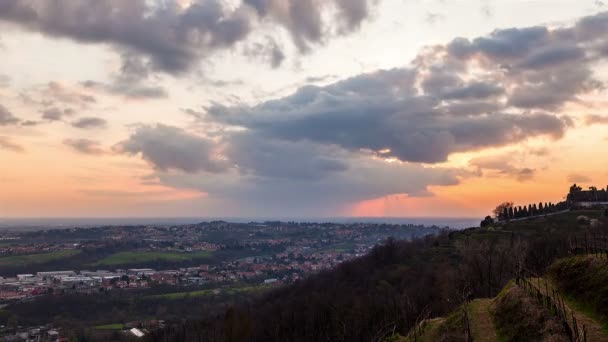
(298, 108)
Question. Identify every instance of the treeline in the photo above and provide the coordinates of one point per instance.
(511, 211)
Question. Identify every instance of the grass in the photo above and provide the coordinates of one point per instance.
(126, 258)
(116, 326)
(34, 259)
(451, 329)
(584, 282)
(482, 325)
(202, 293)
(519, 317)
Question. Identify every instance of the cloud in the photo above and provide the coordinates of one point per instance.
(54, 94)
(545, 67)
(433, 18)
(467, 95)
(270, 51)
(384, 111)
(30, 123)
(60, 93)
(5, 81)
(303, 19)
(89, 122)
(84, 146)
(170, 148)
(274, 176)
(594, 119)
(7, 144)
(56, 114)
(364, 178)
(128, 90)
(578, 178)
(6, 117)
(503, 164)
(376, 134)
(173, 37)
(132, 82)
(263, 157)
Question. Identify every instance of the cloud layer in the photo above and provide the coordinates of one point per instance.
(173, 37)
(378, 134)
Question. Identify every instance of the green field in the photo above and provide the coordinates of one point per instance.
(126, 258)
(201, 293)
(117, 326)
(33, 259)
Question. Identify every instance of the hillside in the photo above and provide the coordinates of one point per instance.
(568, 304)
(387, 292)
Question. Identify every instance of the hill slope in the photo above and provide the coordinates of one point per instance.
(386, 292)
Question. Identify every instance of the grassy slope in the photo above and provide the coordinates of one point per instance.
(584, 282)
(482, 323)
(125, 258)
(32, 259)
(519, 317)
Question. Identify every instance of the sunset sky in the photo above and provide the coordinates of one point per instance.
(298, 108)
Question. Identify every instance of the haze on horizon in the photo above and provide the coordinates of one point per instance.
(298, 108)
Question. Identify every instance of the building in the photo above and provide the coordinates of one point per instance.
(593, 196)
(56, 274)
(137, 332)
(141, 271)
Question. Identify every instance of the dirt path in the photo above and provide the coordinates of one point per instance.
(482, 325)
(594, 329)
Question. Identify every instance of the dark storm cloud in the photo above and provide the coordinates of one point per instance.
(365, 179)
(475, 90)
(170, 148)
(89, 122)
(6, 117)
(279, 159)
(464, 108)
(174, 38)
(552, 56)
(275, 176)
(384, 111)
(84, 146)
(7, 144)
(501, 44)
(546, 67)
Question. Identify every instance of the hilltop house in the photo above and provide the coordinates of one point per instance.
(585, 198)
